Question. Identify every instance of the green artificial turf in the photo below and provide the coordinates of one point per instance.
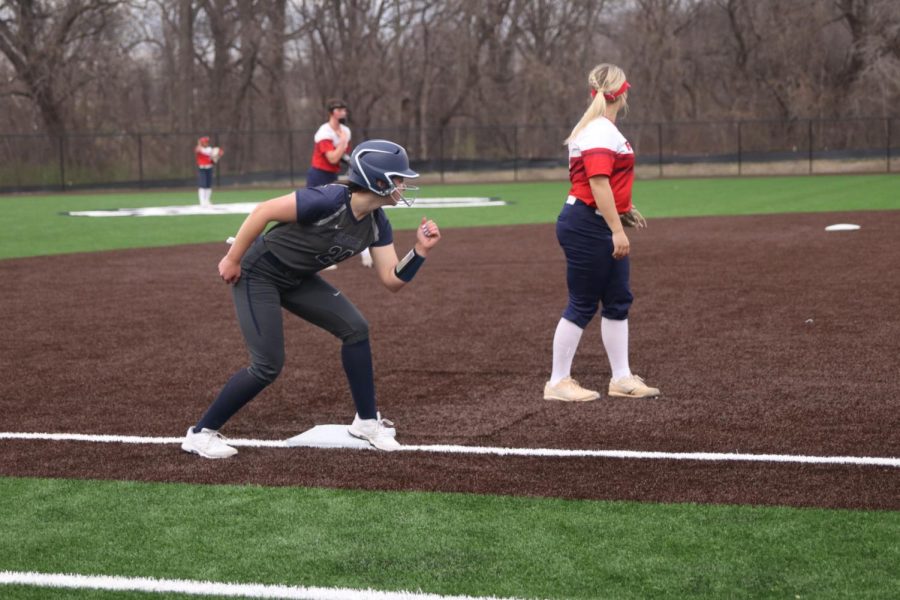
(35, 225)
(445, 543)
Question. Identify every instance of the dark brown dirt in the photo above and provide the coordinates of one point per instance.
(138, 342)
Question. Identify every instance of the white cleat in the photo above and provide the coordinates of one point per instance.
(378, 432)
(207, 443)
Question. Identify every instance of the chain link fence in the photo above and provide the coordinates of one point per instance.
(452, 154)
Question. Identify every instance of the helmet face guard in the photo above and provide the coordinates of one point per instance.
(399, 194)
(376, 165)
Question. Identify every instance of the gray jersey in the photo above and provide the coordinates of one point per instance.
(326, 231)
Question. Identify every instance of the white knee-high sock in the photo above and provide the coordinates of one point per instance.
(208, 196)
(201, 196)
(615, 341)
(565, 343)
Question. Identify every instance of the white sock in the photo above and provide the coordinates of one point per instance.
(202, 196)
(565, 343)
(615, 341)
(208, 196)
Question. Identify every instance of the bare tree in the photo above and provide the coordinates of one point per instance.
(425, 65)
(273, 62)
(213, 55)
(348, 49)
(49, 47)
(657, 58)
(550, 66)
(185, 66)
(881, 62)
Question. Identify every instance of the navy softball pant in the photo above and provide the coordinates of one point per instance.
(265, 287)
(316, 177)
(593, 276)
(204, 177)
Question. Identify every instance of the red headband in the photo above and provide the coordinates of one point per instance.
(612, 97)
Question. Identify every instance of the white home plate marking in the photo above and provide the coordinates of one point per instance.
(212, 588)
(244, 208)
(332, 438)
(236, 208)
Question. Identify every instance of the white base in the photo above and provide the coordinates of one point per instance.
(329, 436)
(842, 227)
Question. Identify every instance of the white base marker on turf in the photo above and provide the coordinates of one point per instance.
(211, 588)
(243, 208)
(496, 451)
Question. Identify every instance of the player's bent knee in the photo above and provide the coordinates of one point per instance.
(358, 333)
(266, 373)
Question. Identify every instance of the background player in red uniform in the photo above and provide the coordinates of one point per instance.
(206, 156)
(332, 146)
(591, 233)
(332, 142)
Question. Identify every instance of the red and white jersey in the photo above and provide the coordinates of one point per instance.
(326, 140)
(204, 157)
(601, 149)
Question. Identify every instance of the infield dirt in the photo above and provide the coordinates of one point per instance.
(766, 335)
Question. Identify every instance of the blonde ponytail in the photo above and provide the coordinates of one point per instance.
(603, 79)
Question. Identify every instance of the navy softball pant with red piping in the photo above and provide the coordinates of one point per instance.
(593, 276)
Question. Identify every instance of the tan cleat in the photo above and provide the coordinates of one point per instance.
(632, 387)
(568, 390)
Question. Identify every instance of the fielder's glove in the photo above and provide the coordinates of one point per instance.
(633, 218)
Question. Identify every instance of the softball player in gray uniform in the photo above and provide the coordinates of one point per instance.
(315, 228)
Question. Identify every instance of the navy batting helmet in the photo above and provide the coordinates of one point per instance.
(375, 163)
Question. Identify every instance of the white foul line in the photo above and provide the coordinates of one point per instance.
(534, 452)
(211, 588)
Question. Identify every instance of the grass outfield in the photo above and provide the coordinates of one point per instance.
(445, 543)
(33, 225)
(439, 543)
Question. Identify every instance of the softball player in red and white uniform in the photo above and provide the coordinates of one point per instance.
(332, 142)
(590, 229)
(206, 157)
(332, 145)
